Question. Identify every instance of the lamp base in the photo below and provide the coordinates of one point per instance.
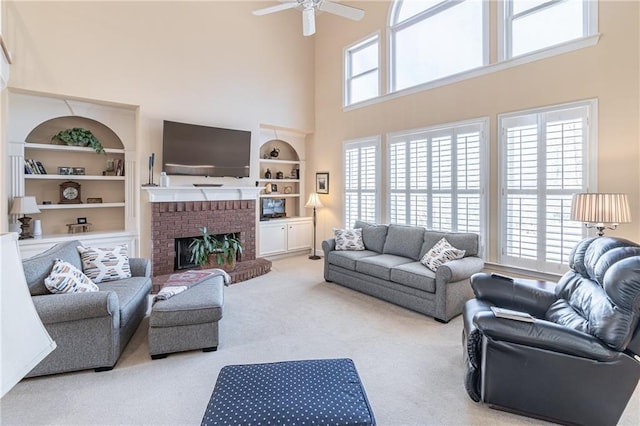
(25, 226)
(314, 257)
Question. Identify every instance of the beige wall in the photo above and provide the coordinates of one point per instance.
(609, 72)
(200, 62)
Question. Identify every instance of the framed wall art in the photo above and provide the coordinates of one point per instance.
(322, 183)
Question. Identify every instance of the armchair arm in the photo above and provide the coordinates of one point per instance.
(529, 296)
(459, 269)
(55, 308)
(544, 335)
(140, 267)
(328, 245)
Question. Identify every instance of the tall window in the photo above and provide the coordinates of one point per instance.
(545, 158)
(362, 181)
(437, 177)
(531, 25)
(362, 75)
(434, 39)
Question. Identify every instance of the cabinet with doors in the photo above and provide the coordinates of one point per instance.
(284, 236)
(73, 184)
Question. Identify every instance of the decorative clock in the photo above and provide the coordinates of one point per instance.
(70, 193)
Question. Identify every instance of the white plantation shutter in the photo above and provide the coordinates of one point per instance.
(361, 186)
(545, 160)
(436, 178)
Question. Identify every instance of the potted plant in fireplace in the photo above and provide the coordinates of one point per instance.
(211, 251)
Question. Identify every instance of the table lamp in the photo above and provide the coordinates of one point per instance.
(314, 201)
(600, 210)
(24, 206)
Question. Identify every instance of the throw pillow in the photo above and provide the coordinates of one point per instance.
(66, 278)
(105, 264)
(442, 252)
(348, 239)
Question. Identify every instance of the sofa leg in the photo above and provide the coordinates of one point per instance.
(159, 356)
(101, 369)
(441, 321)
(210, 349)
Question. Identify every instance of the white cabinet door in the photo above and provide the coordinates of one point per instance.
(273, 238)
(299, 235)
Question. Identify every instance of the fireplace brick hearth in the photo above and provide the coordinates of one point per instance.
(171, 220)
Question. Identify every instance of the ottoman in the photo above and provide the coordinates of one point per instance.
(322, 392)
(188, 320)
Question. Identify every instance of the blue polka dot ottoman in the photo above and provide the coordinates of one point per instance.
(312, 392)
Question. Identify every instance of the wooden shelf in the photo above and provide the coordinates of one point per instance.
(73, 177)
(52, 147)
(79, 206)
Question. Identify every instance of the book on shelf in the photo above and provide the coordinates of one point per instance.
(512, 315)
(41, 168)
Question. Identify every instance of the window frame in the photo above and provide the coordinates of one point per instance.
(589, 185)
(505, 25)
(483, 125)
(347, 56)
(376, 142)
(393, 27)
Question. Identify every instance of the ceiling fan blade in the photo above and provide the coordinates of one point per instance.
(342, 10)
(308, 21)
(276, 8)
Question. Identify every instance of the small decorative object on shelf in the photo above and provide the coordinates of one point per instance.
(288, 189)
(279, 175)
(78, 136)
(152, 160)
(81, 220)
(267, 174)
(111, 165)
(275, 152)
(78, 227)
(274, 187)
(78, 170)
(65, 170)
(70, 193)
(95, 200)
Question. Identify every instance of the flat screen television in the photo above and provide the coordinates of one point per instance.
(191, 149)
(272, 207)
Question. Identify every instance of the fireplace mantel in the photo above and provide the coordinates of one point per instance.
(201, 193)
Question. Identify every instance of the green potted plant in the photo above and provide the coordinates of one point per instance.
(79, 137)
(209, 251)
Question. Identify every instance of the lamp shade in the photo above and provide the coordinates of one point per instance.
(24, 205)
(314, 201)
(600, 208)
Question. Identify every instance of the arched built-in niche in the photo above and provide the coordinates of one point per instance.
(285, 150)
(44, 131)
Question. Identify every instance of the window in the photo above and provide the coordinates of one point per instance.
(434, 39)
(532, 25)
(545, 158)
(362, 75)
(361, 181)
(436, 177)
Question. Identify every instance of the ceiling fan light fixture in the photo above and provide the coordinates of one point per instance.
(308, 21)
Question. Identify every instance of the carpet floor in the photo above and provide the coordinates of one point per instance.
(411, 365)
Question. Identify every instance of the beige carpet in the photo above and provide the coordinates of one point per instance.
(411, 365)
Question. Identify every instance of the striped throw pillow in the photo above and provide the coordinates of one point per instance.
(105, 264)
(442, 252)
(66, 278)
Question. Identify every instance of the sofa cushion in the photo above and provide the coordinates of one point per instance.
(347, 259)
(348, 239)
(461, 240)
(38, 267)
(414, 275)
(404, 241)
(105, 264)
(380, 266)
(440, 254)
(131, 292)
(66, 278)
(373, 235)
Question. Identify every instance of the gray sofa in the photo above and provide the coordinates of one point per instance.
(90, 329)
(389, 268)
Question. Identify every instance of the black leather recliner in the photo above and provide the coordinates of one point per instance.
(578, 362)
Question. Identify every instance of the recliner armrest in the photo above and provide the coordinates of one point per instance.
(519, 294)
(459, 269)
(55, 308)
(544, 335)
(140, 267)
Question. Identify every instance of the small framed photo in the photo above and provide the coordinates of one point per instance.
(78, 170)
(65, 170)
(82, 220)
(94, 200)
(322, 183)
(274, 187)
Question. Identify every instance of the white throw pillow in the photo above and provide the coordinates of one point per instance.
(348, 239)
(105, 264)
(66, 278)
(442, 252)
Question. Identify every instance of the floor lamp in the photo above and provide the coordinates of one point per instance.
(600, 210)
(314, 201)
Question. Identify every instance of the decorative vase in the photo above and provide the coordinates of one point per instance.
(267, 174)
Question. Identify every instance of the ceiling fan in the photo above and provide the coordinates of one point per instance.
(308, 8)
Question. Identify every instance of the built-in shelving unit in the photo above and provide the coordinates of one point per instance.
(108, 196)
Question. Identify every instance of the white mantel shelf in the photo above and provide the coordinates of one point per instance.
(169, 194)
